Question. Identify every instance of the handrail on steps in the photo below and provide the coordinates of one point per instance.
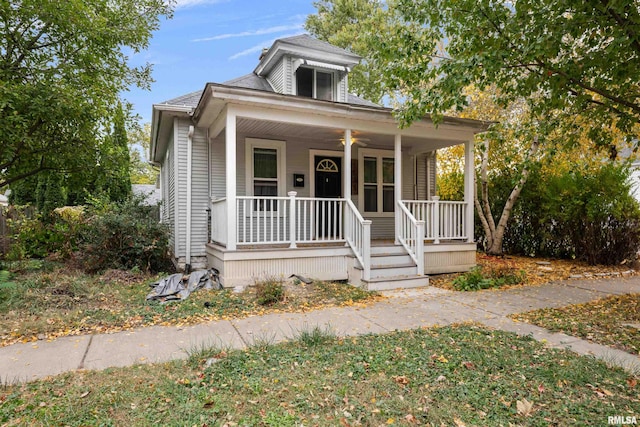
(358, 236)
(412, 236)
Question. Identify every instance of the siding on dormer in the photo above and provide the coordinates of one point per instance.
(288, 75)
(343, 87)
(276, 78)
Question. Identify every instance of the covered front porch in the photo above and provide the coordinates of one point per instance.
(331, 192)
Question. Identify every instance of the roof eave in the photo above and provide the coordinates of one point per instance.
(230, 93)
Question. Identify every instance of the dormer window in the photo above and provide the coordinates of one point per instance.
(314, 83)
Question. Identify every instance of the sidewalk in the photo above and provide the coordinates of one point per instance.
(406, 309)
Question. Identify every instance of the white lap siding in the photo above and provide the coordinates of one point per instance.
(199, 192)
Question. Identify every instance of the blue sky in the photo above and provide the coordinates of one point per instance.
(212, 41)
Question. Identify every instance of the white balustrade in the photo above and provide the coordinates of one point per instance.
(411, 236)
(444, 220)
(358, 236)
(292, 220)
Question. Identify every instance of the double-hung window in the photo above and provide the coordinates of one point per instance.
(314, 83)
(265, 165)
(377, 181)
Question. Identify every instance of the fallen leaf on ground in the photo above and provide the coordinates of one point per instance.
(524, 407)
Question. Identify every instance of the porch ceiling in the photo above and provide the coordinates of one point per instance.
(332, 136)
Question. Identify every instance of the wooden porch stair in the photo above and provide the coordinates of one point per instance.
(392, 268)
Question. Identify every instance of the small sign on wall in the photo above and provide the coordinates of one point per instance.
(298, 180)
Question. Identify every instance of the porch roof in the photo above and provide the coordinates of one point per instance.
(268, 113)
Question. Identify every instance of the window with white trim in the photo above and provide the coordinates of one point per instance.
(265, 167)
(314, 83)
(377, 188)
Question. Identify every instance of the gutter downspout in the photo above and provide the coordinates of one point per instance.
(187, 266)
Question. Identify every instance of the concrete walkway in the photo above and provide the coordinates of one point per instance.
(406, 309)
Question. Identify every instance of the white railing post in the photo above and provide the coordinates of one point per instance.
(366, 249)
(420, 247)
(292, 218)
(469, 189)
(436, 219)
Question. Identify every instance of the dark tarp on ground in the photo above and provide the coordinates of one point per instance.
(178, 287)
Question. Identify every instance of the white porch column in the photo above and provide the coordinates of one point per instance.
(469, 190)
(347, 164)
(230, 175)
(397, 184)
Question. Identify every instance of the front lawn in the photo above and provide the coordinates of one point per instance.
(604, 321)
(43, 300)
(460, 375)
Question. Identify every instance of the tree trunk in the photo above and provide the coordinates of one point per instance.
(495, 233)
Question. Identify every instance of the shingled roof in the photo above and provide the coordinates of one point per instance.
(305, 40)
(190, 99)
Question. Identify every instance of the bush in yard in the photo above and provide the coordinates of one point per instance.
(477, 278)
(269, 291)
(35, 237)
(124, 236)
(597, 213)
(586, 213)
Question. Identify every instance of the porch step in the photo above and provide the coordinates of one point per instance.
(394, 270)
(401, 282)
(387, 260)
(387, 250)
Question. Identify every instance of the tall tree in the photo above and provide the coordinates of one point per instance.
(117, 160)
(563, 56)
(554, 71)
(341, 23)
(141, 171)
(62, 67)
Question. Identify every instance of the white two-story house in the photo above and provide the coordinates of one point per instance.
(283, 171)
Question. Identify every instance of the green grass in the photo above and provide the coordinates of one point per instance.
(480, 277)
(445, 376)
(49, 300)
(602, 321)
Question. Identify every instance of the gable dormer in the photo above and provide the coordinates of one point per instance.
(304, 66)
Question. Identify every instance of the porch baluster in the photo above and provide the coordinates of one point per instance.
(436, 219)
(292, 218)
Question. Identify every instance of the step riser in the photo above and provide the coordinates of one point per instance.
(375, 250)
(383, 261)
(393, 272)
(398, 284)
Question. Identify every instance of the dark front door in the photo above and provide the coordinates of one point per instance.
(328, 178)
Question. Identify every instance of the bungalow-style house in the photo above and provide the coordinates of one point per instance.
(283, 171)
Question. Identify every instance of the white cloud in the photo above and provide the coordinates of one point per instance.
(259, 47)
(258, 32)
(190, 3)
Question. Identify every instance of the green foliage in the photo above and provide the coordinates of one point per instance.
(588, 214)
(63, 67)
(477, 278)
(141, 171)
(269, 291)
(53, 195)
(340, 22)
(33, 235)
(581, 56)
(114, 179)
(124, 236)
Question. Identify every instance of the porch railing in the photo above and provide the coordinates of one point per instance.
(358, 236)
(293, 220)
(219, 220)
(444, 220)
(319, 220)
(412, 236)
